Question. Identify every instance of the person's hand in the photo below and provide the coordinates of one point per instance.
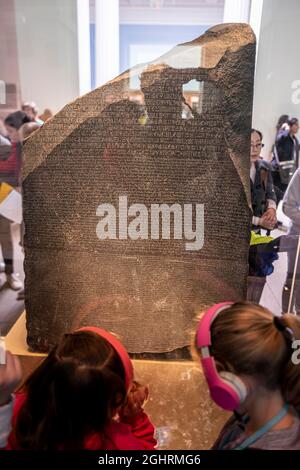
(136, 400)
(270, 216)
(10, 377)
(268, 219)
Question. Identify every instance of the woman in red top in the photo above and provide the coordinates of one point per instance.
(10, 169)
(79, 398)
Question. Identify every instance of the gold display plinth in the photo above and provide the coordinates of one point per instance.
(179, 404)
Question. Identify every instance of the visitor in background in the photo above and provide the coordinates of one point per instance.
(82, 396)
(5, 149)
(263, 197)
(282, 124)
(10, 170)
(291, 208)
(247, 356)
(47, 114)
(2, 128)
(286, 156)
(27, 129)
(30, 108)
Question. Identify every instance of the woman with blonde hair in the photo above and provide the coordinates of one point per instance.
(251, 364)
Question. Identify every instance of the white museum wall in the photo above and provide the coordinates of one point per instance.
(277, 80)
(47, 51)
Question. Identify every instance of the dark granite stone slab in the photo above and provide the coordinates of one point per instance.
(150, 145)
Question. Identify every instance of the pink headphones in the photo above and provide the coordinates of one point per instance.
(226, 389)
(118, 347)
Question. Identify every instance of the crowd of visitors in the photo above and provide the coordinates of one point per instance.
(15, 128)
(271, 182)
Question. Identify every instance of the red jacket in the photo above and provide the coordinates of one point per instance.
(136, 435)
(10, 168)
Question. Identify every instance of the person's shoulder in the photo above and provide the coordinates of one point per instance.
(282, 135)
(20, 398)
(117, 436)
(5, 146)
(264, 165)
(296, 176)
(281, 439)
(122, 436)
(231, 429)
(5, 141)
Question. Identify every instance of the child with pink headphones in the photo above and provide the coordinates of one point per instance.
(249, 360)
(82, 396)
